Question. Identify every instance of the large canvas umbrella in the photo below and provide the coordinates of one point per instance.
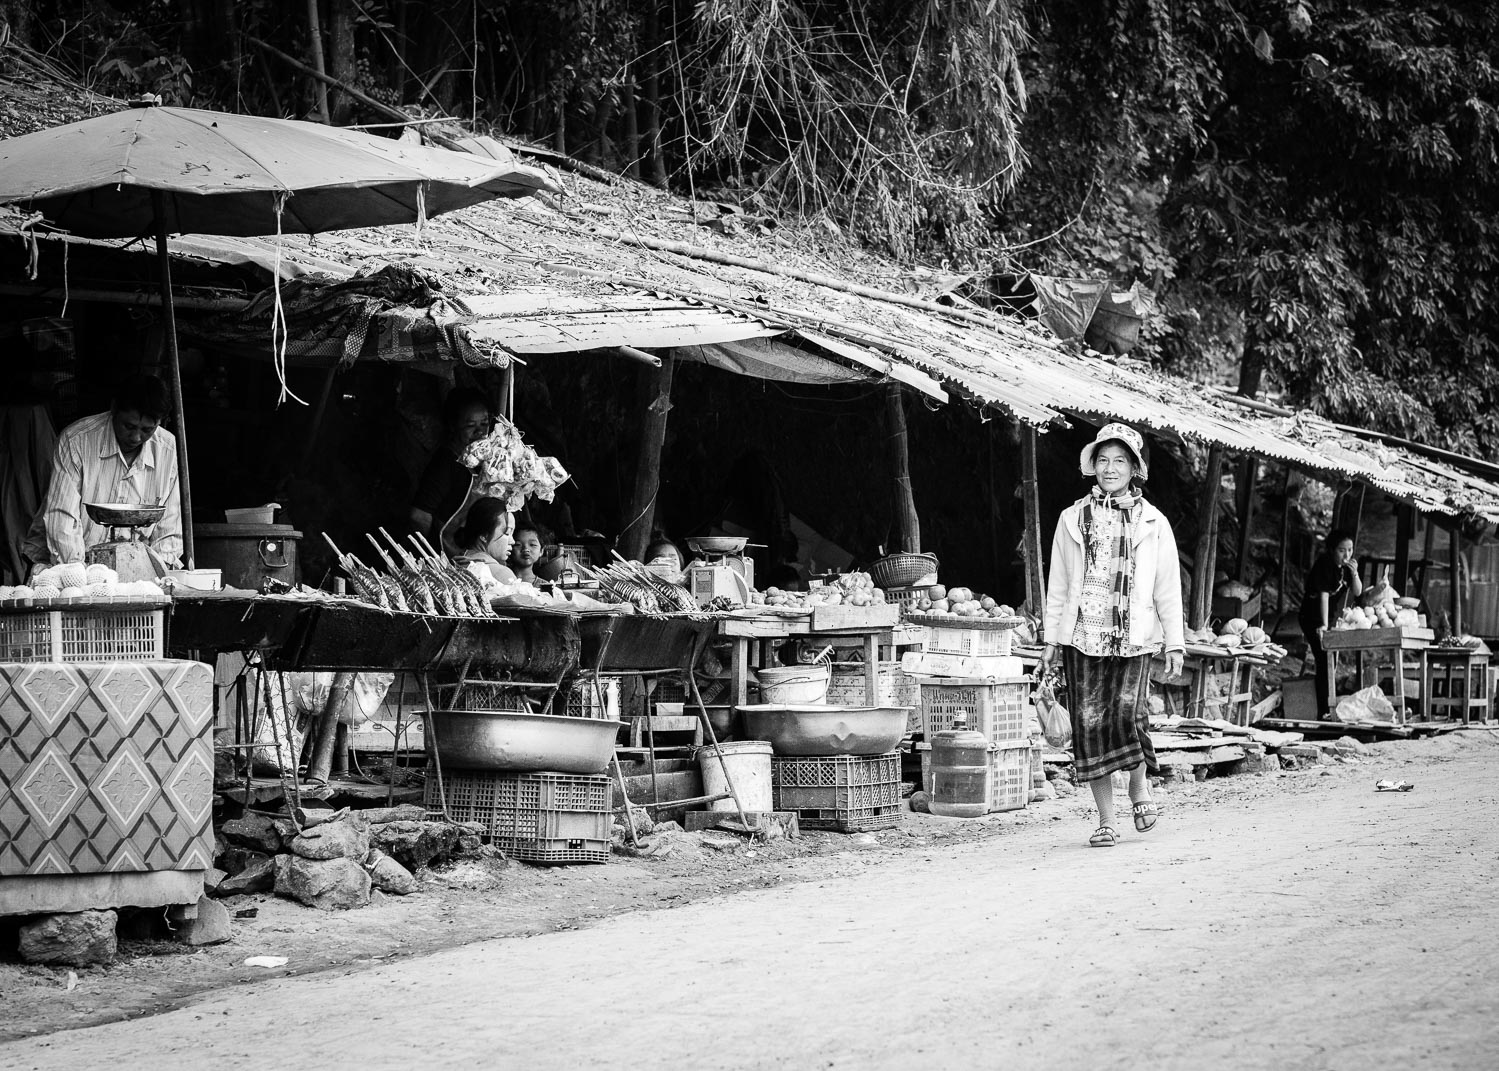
(154, 171)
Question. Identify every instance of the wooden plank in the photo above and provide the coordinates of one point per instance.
(1410, 637)
(1185, 757)
(878, 616)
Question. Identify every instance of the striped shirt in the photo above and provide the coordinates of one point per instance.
(89, 467)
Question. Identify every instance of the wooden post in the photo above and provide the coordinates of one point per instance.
(321, 764)
(319, 84)
(1285, 539)
(1030, 496)
(174, 374)
(907, 523)
(1405, 527)
(1454, 566)
(1207, 532)
(1249, 478)
(655, 398)
(1428, 549)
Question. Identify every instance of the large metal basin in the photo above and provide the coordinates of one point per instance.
(826, 730)
(511, 740)
(123, 514)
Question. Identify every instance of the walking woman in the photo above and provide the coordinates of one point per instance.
(1113, 600)
(1330, 582)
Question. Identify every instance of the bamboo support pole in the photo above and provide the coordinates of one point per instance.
(1207, 533)
(1030, 494)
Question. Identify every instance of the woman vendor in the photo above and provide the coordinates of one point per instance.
(1329, 583)
(445, 483)
(485, 539)
(1114, 599)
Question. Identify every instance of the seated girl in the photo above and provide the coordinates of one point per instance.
(529, 551)
(485, 539)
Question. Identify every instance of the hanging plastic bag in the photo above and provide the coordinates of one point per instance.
(1056, 722)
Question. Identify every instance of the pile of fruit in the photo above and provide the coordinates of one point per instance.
(960, 602)
(1237, 633)
(850, 589)
(1382, 607)
(76, 582)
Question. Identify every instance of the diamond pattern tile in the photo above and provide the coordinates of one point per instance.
(105, 767)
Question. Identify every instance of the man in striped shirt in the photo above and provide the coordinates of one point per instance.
(122, 456)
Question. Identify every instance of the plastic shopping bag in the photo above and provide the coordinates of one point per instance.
(1056, 722)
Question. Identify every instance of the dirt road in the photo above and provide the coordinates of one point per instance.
(1306, 922)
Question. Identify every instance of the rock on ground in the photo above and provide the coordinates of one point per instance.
(387, 875)
(254, 831)
(79, 939)
(340, 839)
(414, 844)
(259, 876)
(211, 927)
(326, 884)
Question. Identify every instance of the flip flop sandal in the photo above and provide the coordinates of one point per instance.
(1145, 815)
(1103, 837)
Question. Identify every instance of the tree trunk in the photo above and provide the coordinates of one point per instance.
(603, 148)
(1248, 485)
(1030, 496)
(907, 522)
(630, 126)
(653, 103)
(1207, 538)
(341, 59)
(1285, 539)
(315, 50)
(655, 402)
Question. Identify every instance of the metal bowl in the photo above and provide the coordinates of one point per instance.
(717, 544)
(511, 740)
(826, 730)
(122, 514)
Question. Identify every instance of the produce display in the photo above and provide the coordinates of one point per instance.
(74, 582)
(961, 602)
(508, 469)
(1237, 635)
(1383, 607)
(850, 589)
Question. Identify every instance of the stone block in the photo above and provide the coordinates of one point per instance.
(414, 844)
(79, 939)
(326, 884)
(210, 927)
(259, 876)
(254, 831)
(389, 876)
(341, 839)
(237, 860)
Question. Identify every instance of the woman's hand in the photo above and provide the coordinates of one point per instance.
(1175, 661)
(1048, 658)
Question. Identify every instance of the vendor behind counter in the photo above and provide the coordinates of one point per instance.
(446, 485)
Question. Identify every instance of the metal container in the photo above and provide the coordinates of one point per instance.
(511, 740)
(826, 730)
(248, 554)
(717, 544)
(123, 514)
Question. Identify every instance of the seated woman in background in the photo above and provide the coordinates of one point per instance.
(485, 538)
(662, 551)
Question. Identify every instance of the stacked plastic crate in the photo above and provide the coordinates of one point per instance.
(845, 793)
(534, 817)
(968, 676)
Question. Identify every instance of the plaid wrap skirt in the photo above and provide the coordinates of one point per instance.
(1109, 700)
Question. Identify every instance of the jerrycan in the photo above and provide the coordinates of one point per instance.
(960, 773)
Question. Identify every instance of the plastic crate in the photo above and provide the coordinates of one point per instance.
(998, 709)
(485, 695)
(583, 700)
(1008, 787)
(905, 598)
(846, 793)
(968, 641)
(96, 634)
(533, 817)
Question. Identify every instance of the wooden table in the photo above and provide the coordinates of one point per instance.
(1202, 662)
(752, 638)
(1456, 683)
(1403, 647)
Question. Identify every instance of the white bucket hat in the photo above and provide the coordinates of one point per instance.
(1121, 433)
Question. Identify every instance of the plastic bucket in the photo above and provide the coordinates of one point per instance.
(794, 685)
(748, 763)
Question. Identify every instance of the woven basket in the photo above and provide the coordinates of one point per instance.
(902, 570)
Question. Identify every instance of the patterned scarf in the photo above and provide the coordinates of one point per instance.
(1121, 552)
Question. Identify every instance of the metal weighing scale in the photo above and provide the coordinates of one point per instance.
(129, 555)
(721, 569)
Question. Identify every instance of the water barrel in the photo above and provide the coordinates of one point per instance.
(748, 763)
(960, 773)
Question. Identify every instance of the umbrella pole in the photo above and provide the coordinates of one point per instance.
(174, 366)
